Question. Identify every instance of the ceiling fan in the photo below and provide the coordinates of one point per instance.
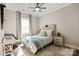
(38, 7)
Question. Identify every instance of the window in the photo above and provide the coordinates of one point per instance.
(24, 24)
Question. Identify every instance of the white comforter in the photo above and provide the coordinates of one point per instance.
(37, 41)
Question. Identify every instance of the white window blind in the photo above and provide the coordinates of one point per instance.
(24, 24)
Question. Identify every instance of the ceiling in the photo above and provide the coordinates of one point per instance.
(23, 7)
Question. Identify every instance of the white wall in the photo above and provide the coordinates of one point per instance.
(67, 22)
(0, 18)
(35, 25)
(10, 22)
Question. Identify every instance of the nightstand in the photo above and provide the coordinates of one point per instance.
(59, 40)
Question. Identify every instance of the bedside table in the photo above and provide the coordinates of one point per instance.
(59, 40)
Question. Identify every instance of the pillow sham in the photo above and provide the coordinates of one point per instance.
(47, 32)
(43, 33)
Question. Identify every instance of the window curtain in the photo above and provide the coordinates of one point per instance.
(18, 25)
(30, 25)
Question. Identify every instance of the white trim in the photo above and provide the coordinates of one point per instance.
(72, 46)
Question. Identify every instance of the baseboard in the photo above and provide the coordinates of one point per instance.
(72, 46)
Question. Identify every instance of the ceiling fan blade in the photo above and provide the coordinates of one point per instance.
(31, 7)
(42, 7)
(40, 4)
(36, 4)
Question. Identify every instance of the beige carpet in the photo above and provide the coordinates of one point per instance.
(53, 50)
(50, 50)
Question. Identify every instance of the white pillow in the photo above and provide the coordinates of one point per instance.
(49, 33)
(43, 33)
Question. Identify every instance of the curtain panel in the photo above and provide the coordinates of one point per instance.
(30, 24)
(18, 24)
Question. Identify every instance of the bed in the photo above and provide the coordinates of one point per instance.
(43, 38)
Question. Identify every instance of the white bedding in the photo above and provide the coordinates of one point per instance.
(40, 40)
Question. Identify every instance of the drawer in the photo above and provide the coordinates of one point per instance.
(57, 43)
(56, 39)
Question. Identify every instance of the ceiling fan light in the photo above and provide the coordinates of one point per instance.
(37, 9)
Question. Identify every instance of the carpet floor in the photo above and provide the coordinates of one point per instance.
(50, 50)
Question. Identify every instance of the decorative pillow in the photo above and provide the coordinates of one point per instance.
(43, 33)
